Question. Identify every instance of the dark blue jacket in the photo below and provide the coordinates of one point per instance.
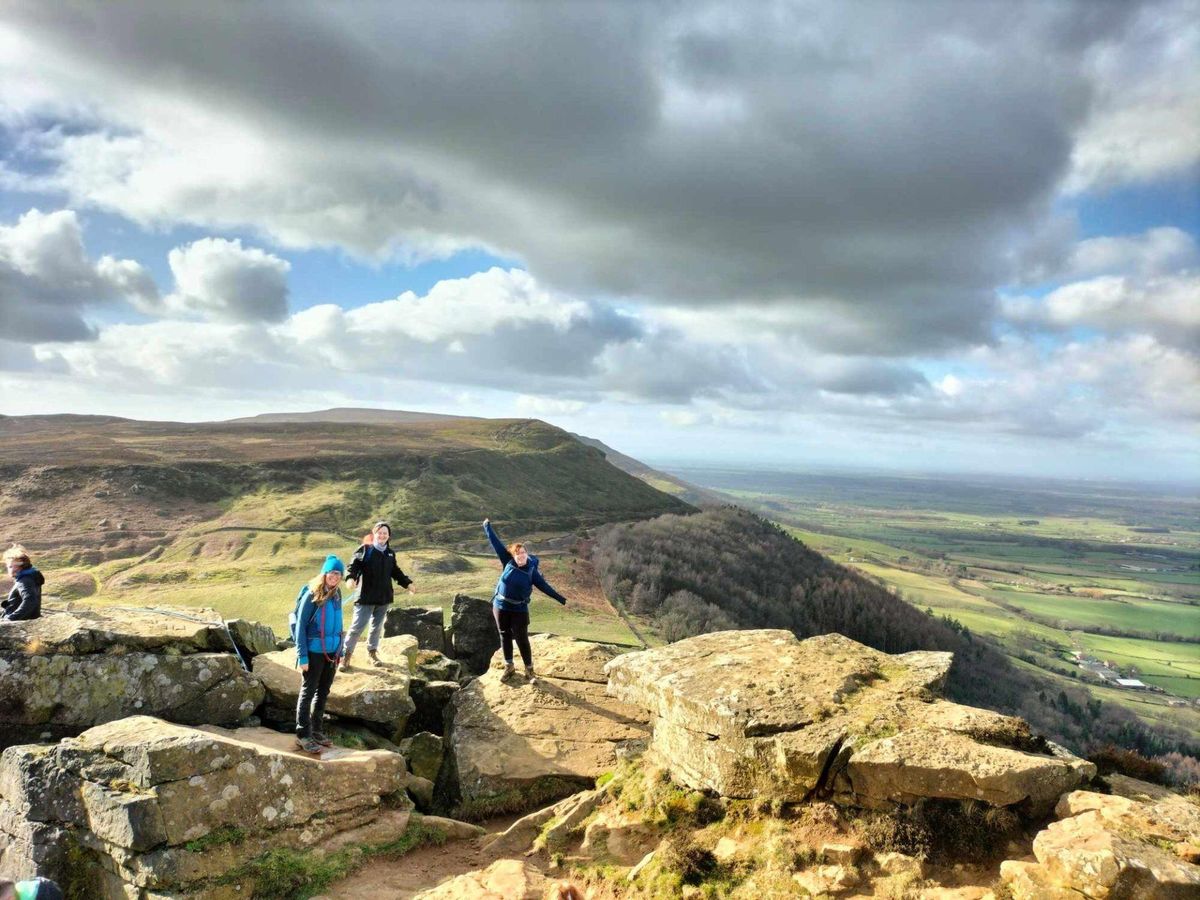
(516, 584)
(25, 599)
(314, 621)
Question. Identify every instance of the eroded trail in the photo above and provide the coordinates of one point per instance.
(424, 868)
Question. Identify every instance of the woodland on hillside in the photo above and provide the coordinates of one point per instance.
(729, 568)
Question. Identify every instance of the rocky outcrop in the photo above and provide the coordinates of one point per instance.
(422, 622)
(1140, 841)
(141, 808)
(67, 671)
(434, 683)
(252, 638)
(472, 635)
(378, 696)
(762, 714)
(516, 744)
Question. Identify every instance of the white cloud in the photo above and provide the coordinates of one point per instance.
(47, 281)
(221, 279)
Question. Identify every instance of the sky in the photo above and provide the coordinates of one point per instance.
(912, 235)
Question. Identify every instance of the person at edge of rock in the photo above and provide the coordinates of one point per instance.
(34, 889)
(510, 604)
(372, 570)
(25, 599)
(320, 636)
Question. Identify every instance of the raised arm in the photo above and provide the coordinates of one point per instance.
(497, 544)
(540, 582)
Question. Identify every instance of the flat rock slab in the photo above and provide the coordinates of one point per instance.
(66, 672)
(376, 695)
(761, 713)
(161, 807)
(519, 744)
(117, 629)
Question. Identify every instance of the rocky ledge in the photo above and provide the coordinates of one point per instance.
(515, 744)
(68, 671)
(376, 695)
(144, 808)
(763, 714)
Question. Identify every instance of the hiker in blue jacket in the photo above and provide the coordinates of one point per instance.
(25, 599)
(510, 604)
(319, 639)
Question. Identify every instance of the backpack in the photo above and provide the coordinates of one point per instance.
(294, 616)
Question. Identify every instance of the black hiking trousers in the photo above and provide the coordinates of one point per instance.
(514, 625)
(310, 707)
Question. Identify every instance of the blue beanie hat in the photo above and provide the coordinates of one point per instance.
(333, 564)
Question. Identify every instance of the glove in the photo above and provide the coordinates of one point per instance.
(562, 602)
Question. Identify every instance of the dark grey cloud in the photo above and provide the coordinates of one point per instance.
(872, 162)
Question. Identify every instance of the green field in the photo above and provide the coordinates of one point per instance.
(1042, 569)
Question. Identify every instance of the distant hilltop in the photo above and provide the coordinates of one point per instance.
(350, 415)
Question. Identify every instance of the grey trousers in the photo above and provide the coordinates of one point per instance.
(364, 613)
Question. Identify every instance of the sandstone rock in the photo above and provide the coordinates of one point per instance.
(517, 744)
(66, 672)
(929, 762)
(1123, 844)
(505, 879)
(377, 696)
(433, 666)
(452, 828)
(568, 816)
(827, 879)
(841, 854)
(252, 638)
(617, 834)
(424, 754)
(156, 809)
(472, 636)
(891, 863)
(421, 791)
(760, 713)
(422, 622)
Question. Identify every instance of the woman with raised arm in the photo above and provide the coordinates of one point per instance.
(510, 604)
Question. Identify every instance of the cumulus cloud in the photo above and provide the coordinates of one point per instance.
(869, 164)
(221, 279)
(47, 281)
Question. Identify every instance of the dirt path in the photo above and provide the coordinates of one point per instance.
(426, 867)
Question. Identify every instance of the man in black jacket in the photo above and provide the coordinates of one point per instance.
(25, 599)
(373, 570)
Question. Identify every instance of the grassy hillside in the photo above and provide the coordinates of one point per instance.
(236, 515)
(86, 490)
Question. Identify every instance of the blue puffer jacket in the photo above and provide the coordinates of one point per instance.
(320, 626)
(516, 584)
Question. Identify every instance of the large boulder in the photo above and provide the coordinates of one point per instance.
(376, 695)
(763, 714)
(143, 808)
(422, 622)
(516, 744)
(510, 879)
(67, 671)
(472, 635)
(252, 638)
(1139, 841)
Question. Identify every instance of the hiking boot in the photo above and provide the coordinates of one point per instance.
(345, 663)
(308, 745)
(530, 675)
(319, 738)
(373, 656)
(509, 671)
